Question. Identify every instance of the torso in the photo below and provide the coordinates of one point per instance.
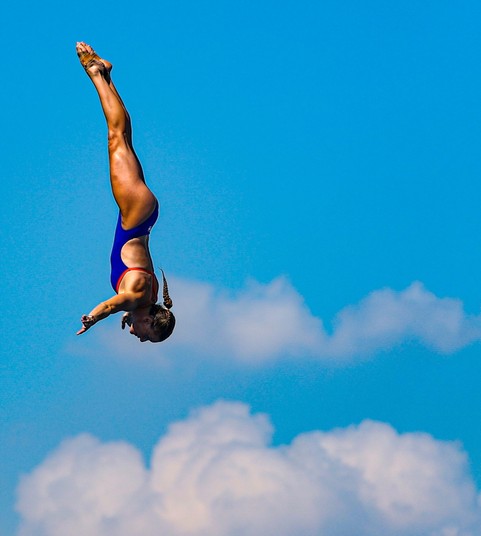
(130, 255)
(135, 253)
(136, 256)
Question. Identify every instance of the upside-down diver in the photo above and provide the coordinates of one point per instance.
(132, 272)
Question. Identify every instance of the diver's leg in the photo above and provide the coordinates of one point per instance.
(129, 125)
(135, 200)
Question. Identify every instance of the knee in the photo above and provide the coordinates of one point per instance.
(115, 138)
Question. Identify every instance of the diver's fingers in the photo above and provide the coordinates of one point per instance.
(126, 319)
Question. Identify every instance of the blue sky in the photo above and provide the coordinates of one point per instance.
(318, 168)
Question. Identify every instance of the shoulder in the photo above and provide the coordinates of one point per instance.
(137, 282)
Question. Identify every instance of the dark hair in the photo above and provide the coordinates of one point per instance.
(164, 320)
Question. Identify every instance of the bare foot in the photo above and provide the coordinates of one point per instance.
(92, 62)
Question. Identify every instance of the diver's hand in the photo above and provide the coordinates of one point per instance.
(126, 319)
(88, 321)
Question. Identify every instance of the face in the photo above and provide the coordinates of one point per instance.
(144, 331)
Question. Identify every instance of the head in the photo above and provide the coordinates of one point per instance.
(159, 324)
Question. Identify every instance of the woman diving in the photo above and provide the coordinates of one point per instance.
(132, 273)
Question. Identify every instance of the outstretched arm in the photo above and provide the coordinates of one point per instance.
(127, 301)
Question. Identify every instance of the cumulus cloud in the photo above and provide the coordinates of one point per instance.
(216, 474)
(258, 322)
(387, 317)
(267, 321)
(271, 321)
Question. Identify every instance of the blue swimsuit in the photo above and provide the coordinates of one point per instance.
(122, 236)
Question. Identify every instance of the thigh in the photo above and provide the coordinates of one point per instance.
(135, 200)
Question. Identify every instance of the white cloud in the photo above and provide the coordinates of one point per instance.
(259, 322)
(386, 317)
(264, 322)
(267, 322)
(215, 474)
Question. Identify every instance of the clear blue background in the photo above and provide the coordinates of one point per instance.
(334, 142)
